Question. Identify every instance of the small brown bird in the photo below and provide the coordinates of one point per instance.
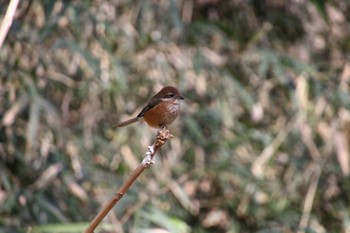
(161, 110)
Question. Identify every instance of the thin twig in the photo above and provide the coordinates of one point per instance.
(309, 199)
(162, 136)
(7, 21)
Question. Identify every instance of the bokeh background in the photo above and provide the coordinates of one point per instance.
(262, 143)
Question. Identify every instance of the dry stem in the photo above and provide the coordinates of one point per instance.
(162, 136)
(7, 21)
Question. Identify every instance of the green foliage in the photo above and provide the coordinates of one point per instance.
(262, 144)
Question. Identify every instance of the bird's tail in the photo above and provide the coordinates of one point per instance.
(128, 122)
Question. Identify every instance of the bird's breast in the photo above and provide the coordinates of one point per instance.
(163, 114)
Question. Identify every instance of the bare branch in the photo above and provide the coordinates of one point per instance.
(162, 136)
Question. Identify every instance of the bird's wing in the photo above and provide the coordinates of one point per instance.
(151, 104)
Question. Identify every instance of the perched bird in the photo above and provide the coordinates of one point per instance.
(160, 111)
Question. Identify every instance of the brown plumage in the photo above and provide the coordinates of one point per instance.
(161, 110)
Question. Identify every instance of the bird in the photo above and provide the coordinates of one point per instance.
(161, 110)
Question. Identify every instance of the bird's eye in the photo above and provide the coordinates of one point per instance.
(170, 95)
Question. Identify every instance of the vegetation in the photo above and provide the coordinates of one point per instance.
(262, 144)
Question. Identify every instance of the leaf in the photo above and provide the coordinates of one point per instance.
(173, 224)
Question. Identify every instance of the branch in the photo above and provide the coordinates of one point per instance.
(162, 136)
(7, 21)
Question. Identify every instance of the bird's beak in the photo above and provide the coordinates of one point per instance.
(181, 97)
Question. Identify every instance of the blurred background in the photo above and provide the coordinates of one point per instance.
(262, 143)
